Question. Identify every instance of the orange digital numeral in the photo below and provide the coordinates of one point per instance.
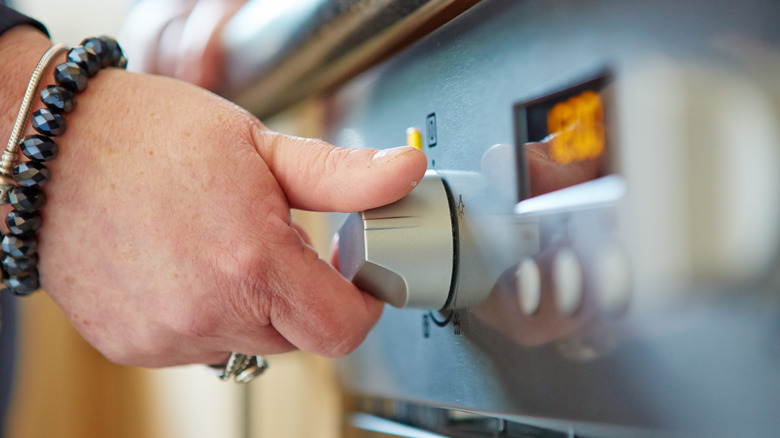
(576, 127)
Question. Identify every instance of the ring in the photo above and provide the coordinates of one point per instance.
(241, 368)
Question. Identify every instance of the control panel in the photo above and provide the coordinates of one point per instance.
(594, 248)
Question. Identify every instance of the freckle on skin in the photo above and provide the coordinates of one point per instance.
(151, 152)
(70, 280)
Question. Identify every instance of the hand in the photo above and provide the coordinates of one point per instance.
(167, 236)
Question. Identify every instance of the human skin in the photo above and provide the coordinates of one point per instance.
(167, 237)
(547, 175)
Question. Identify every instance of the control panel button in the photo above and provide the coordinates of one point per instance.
(613, 279)
(403, 253)
(567, 281)
(528, 281)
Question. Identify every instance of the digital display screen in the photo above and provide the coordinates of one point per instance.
(561, 138)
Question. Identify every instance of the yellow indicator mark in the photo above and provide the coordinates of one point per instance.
(414, 138)
(576, 128)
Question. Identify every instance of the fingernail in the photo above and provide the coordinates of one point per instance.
(387, 155)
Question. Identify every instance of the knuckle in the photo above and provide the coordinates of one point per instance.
(244, 287)
(330, 162)
(340, 340)
(333, 159)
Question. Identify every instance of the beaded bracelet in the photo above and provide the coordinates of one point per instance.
(21, 186)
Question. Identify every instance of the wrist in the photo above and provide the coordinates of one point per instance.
(24, 45)
(20, 244)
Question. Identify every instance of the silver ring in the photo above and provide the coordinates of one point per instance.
(241, 368)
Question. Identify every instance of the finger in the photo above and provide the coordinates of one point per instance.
(318, 176)
(317, 310)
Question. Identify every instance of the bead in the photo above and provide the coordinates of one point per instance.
(48, 123)
(39, 148)
(71, 76)
(23, 222)
(122, 62)
(101, 49)
(14, 266)
(31, 173)
(58, 99)
(114, 52)
(86, 58)
(27, 198)
(19, 246)
(23, 284)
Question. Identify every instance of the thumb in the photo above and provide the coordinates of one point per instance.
(318, 176)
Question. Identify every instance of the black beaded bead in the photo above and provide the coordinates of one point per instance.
(19, 246)
(27, 198)
(113, 50)
(23, 284)
(86, 58)
(101, 49)
(23, 222)
(48, 123)
(58, 99)
(31, 173)
(39, 148)
(14, 266)
(71, 76)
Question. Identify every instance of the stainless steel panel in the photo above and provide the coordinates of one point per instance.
(694, 128)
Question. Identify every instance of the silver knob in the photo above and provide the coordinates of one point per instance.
(403, 253)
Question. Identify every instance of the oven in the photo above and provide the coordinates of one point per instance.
(637, 297)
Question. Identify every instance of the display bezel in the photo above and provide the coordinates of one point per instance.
(527, 123)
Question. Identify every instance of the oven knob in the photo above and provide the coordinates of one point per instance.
(403, 253)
